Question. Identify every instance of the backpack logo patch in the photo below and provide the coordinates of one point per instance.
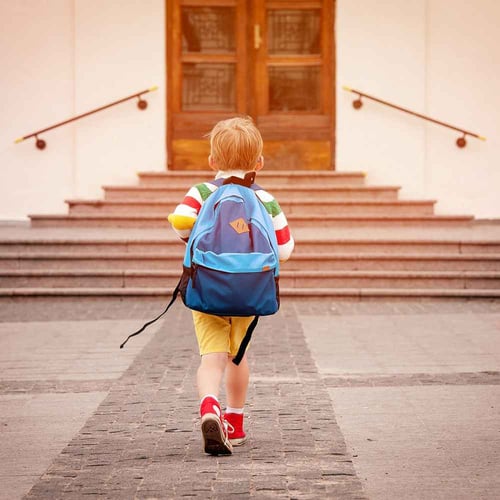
(240, 226)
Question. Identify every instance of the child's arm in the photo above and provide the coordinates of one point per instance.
(182, 224)
(185, 214)
(280, 224)
(286, 242)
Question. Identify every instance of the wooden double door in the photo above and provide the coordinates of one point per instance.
(270, 59)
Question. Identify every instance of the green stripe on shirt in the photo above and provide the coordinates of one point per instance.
(204, 191)
(272, 207)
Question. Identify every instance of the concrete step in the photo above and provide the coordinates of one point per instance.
(172, 244)
(294, 279)
(394, 262)
(298, 262)
(264, 178)
(305, 206)
(396, 246)
(93, 246)
(320, 221)
(94, 261)
(401, 293)
(176, 194)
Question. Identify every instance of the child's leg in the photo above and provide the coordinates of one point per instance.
(212, 333)
(237, 378)
(214, 431)
(210, 373)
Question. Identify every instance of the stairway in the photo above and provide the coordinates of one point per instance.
(351, 240)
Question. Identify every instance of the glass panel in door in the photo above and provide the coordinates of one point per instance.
(208, 80)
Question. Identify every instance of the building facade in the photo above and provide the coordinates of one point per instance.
(61, 58)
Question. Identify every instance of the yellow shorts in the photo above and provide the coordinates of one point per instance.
(219, 333)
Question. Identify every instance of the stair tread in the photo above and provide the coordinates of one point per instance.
(285, 273)
(477, 230)
(295, 257)
(311, 218)
(291, 292)
(388, 292)
(261, 174)
(75, 236)
(298, 241)
(334, 187)
(316, 201)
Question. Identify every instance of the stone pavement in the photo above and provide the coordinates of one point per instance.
(416, 392)
(140, 438)
(348, 399)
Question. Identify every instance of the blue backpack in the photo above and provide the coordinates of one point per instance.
(231, 263)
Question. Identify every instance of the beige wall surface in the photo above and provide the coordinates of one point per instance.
(37, 86)
(437, 57)
(120, 49)
(60, 58)
(64, 57)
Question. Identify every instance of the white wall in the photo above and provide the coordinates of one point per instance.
(463, 74)
(36, 83)
(64, 57)
(119, 49)
(437, 57)
(381, 51)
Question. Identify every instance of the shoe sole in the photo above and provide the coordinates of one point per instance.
(214, 441)
(238, 441)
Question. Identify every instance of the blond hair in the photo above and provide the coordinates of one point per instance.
(235, 144)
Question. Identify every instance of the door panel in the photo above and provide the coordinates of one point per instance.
(268, 59)
(208, 62)
(294, 79)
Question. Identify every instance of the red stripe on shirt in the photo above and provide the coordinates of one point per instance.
(192, 202)
(283, 235)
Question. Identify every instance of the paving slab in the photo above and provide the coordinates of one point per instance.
(404, 343)
(65, 350)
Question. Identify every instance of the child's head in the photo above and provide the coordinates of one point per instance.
(235, 144)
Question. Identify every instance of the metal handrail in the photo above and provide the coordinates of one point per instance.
(461, 142)
(142, 104)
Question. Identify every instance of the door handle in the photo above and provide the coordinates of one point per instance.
(257, 39)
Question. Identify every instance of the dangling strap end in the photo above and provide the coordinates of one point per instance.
(174, 296)
(246, 340)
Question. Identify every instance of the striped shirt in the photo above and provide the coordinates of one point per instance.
(197, 195)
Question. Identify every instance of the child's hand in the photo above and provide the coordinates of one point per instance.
(181, 222)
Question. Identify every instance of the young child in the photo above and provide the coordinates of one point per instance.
(235, 149)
